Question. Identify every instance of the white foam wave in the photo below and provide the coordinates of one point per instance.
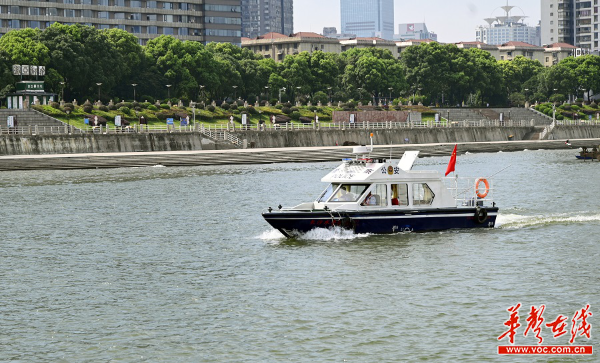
(515, 221)
(330, 234)
(317, 234)
(271, 235)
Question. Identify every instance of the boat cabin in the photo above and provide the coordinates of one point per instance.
(372, 183)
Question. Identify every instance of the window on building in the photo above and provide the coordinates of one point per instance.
(102, 2)
(168, 31)
(136, 29)
(103, 15)
(69, 13)
(34, 11)
(14, 24)
(119, 16)
(152, 29)
(119, 2)
(135, 4)
(14, 10)
(152, 17)
(34, 24)
(182, 31)
(151, 4)
(86, 13)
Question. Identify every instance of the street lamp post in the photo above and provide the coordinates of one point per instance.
(201, 87)
(281, 89)
(134, 84)
(235, 93)
(194, 111)
(329, 92)
(99, 84)
(68, 120)
(359, 93)
(62, 91)
(169, 91)
(267, 92)
(390, 89)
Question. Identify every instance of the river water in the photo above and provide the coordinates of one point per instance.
(177, 265)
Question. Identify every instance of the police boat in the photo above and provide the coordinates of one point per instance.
(378, 196)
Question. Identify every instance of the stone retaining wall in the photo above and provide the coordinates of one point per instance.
(94, 143)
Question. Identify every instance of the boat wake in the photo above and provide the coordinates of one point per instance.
(515, 221)
(317, 234)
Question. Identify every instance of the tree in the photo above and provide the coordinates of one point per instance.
(24, 47)
(83, 56)
(428, 68)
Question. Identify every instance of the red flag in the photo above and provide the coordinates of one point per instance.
(452, 162)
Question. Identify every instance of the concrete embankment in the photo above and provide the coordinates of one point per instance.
(105, 143)
(262, 155)
(22, 144)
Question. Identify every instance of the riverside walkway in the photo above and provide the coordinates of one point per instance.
(263, 155)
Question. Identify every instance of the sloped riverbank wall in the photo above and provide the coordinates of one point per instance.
(193, 141)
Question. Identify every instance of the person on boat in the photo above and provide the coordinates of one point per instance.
(370, 200)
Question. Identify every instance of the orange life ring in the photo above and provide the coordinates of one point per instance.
(487, 188)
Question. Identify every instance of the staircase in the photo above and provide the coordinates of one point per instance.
(460, 114)
(26, 118)
(509, 114)
(524, 114)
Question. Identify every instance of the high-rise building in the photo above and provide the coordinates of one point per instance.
(368, 18)
(414, 31)
(508, 28)
(573, 22)
(265, 16)
(199, 20)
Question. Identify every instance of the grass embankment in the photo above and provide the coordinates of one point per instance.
(131, 113)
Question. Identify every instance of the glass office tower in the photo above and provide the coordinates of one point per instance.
(368, 18)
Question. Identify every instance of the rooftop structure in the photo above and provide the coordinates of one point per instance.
(507, 28)
(408, 31)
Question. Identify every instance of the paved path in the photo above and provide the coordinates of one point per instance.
(263, 156)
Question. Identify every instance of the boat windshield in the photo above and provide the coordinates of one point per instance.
(327, 193)
(348, 192)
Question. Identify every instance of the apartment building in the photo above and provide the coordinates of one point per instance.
(266, 16)
(201, 20)
(573, 22)
(277, 46)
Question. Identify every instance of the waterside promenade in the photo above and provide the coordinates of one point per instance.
(265, 155)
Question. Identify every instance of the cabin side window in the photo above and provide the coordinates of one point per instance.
(376, 197)
(422, 194)
(400, 194)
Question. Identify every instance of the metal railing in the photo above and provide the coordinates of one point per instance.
(224, 131)
(578, 122)
(464, 190)
(548, 129)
